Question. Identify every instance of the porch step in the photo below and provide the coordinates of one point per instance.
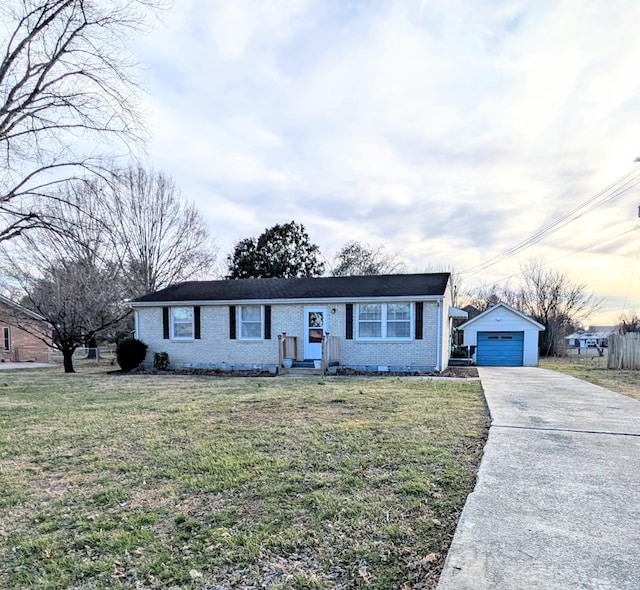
(301, 371)
(457, 362)
(304, 364)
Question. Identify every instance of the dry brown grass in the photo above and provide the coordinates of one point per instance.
(112, 481)
(594, 370)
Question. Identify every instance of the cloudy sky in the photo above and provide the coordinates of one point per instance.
(450, 131)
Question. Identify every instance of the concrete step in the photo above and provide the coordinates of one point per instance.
(455, 362)
(304, 364)
(301, 371)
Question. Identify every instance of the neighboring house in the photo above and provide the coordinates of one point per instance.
(594, 337)
(18, 337)
(503, 336)
(385, 322)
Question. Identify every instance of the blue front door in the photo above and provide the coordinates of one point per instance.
(500, 349)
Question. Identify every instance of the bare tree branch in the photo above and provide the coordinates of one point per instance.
(547, 296)
(160, 237)
(357, 258)
(67, 92)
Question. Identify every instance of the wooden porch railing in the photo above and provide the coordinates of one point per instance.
(330, 351)
(287, 348)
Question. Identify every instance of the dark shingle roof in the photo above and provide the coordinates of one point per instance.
(304, 288)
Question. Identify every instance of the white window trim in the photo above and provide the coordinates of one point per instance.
(383, 320)
(239, 323)
(6, 337)
(172, 325)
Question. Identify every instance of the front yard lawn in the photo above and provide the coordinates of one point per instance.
(594, 370)
(113, 481)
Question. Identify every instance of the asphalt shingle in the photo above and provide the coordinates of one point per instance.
(407, 285)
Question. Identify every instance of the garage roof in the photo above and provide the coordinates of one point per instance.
(495, 309)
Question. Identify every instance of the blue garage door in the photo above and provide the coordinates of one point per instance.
(500, 349)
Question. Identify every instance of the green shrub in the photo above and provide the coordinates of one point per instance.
(161, 361)
(130, 353)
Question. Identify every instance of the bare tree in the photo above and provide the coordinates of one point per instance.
(459, 296)
(629, 322)
(555, 301)
(68, 278)
(358, 258)
(486, 296)
(160, 238)
(547, 296)
(66, 95)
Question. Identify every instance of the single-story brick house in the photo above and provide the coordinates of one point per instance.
(383, 322)
(20, 328)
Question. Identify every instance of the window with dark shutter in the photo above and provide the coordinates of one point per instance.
(196, 322)
(165, 323)
(349, 322)
(232, 322)
(267, 322)
(419, 320)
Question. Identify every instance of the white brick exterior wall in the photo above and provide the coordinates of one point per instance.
(215, 348)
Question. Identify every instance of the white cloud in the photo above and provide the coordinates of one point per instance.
(448, 131)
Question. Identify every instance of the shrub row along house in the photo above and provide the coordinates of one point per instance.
(370, 323)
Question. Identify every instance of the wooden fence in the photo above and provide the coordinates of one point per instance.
(330, 351)
(287, 348)
(624, 351)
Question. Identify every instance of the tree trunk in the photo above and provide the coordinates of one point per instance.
(92, 346)
(67, 358)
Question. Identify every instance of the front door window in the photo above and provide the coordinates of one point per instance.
(315, 319)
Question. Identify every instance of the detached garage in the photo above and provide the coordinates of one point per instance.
(503, 337)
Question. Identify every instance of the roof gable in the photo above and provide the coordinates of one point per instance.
(20, 310)
(495, 309)
(372, 286)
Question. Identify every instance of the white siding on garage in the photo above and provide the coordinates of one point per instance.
(503, 319)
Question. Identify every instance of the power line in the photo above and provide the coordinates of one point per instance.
(614, 190)
(593, 245)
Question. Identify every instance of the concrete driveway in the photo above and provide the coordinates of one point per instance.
(557, 501)
(7, 366)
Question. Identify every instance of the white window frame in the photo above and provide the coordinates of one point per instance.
(384, 323)
(239, 323)
(6, 339)
(172, 324)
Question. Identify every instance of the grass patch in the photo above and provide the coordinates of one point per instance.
(594, 370)
(196, 482)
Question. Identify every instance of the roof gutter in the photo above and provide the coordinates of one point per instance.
(302, 300)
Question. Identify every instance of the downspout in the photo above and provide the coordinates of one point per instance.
(439, 337)
(136, 325)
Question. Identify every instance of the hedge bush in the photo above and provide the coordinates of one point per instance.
(130, 353)
(161, 361)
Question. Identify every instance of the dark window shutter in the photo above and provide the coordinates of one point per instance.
(349, 331)
(165, 323)
(232, 322)
(419, 319)
(267, 322)
(196, 322)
